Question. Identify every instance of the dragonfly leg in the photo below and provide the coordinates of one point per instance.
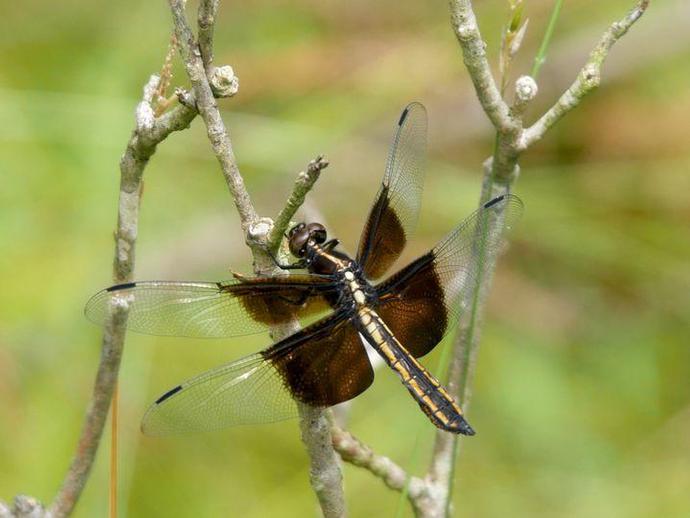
(298, 265)
(330, 245)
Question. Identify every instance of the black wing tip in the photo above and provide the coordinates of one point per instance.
(168, 394)
(123, 286)
(403, 115)
(408, 109)
(508, 198)
(493, 202)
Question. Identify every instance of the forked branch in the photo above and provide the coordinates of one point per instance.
(587, 79)
(262, 235)
(500, 172)
(304, 183)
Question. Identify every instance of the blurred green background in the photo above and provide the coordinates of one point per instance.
(582, 393)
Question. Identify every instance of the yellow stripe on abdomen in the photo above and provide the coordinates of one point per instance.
(435, 401)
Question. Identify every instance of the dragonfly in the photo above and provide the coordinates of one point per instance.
(402, 317)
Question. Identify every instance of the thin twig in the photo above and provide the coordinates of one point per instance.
(304, 183)
(588, 78)
(326, 476)
(149, 132)
(508, 126)
(500, 171)
(473, 47)
(161, 101)
(208, 109)
(355, 452)
(207, 23)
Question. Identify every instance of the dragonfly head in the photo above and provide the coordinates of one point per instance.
(302, 235)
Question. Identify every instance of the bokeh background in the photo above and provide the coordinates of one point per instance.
(582, 394)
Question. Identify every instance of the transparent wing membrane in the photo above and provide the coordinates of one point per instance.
(322, 365)
(394, 215)
(213, 310)
(247, 391)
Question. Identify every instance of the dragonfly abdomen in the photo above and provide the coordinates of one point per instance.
(433, 399)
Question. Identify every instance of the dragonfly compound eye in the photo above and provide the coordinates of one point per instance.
(299, 235)
(317, 232)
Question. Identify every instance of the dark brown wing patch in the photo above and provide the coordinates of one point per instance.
(413, 307)
(322, 365)
(275, 300)
(386, 237)
(424, 299)
(329, 365)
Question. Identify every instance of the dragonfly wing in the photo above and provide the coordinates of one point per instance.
(242, 306)
(393, 217)
(421, 302)
(321, 365)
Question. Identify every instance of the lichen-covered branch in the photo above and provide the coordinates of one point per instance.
(149, 132)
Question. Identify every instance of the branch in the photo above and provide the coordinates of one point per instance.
(588, 78)
(207, 22)
(208, 109)
(355, 452)
(326, 476)
(149, 132)
(223, 81)
(500, 171)
(474, 54)
(304, 183)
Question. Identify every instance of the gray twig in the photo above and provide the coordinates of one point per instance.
(326, 476)
(466, 30)
(207, 23)
(304, 183)
(208, 109)
(500, 171)
(587, 79)
(325, 473)
(355, 452)
(148, 133)
(431, 496)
